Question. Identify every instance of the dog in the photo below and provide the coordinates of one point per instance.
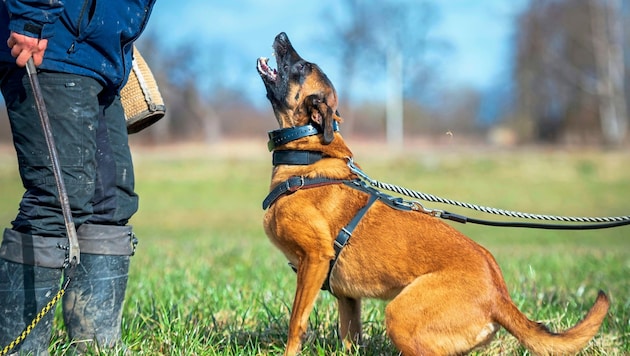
(447, 294)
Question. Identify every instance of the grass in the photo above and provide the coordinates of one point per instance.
(206, 281)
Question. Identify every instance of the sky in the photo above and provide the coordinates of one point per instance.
(478, 34)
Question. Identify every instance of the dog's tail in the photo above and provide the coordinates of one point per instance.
(539, 340)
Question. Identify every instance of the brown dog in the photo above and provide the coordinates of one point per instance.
(447, 292)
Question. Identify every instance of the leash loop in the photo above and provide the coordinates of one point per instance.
(356, 170)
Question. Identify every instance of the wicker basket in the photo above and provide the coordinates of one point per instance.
(141, 98)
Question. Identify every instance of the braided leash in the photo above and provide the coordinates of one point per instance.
(616, 220)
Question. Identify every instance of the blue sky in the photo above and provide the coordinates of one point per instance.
(478, 32)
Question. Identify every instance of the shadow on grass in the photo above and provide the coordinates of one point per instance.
(158, 329)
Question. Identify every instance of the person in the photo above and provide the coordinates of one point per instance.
(83, 51)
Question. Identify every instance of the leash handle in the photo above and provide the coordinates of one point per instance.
(73, 249)
(590, 226)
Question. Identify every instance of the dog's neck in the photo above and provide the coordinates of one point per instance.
(308, 138)
(334, 156)
(336, 149)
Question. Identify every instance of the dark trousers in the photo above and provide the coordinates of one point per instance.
(90, 133)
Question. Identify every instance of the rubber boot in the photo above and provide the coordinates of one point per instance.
(24, 291)
(92, 305)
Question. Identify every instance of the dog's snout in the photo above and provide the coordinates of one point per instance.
(281, 45)
(282, 37)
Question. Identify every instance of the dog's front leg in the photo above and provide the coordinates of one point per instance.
(349, 321)
(310, 276)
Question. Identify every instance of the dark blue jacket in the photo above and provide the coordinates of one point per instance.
(87, 37)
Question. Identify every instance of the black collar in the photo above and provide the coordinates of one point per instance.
(294, 157)
(283, 136)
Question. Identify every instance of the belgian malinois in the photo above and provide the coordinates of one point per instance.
(447, 292)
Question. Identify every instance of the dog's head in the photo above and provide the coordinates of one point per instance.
(299, 92)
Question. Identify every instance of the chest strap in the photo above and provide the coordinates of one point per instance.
(294, 184)
(344, 235)
(346, 232)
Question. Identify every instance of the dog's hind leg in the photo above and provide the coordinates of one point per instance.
(311, 273)
(440, 314)
(349, 321)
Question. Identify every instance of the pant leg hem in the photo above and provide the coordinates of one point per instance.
(106, 239)
(33, 250)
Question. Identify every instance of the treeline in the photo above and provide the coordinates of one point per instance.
(567, 83)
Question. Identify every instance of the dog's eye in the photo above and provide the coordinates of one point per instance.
(300, 67)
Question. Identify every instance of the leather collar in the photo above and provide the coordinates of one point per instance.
(283, 136)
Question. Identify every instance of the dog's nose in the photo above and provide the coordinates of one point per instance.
(282, 37)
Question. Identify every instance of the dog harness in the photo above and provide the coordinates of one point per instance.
(293, 184)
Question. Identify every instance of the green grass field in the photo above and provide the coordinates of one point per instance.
(206, 281)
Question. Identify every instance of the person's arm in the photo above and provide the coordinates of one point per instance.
(31, 27)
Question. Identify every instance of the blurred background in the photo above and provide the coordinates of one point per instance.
(497, 72)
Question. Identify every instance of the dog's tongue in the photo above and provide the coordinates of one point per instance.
(265, 70)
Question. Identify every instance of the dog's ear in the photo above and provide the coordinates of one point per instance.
(323, 115)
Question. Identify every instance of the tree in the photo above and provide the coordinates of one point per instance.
(569, 77)
(388, 37)
(607, 32)
(193, 105)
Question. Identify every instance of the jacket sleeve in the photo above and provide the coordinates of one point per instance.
(33, 18)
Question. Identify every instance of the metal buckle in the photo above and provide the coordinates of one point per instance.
(295, 188)
(417, 206)
(134, 242)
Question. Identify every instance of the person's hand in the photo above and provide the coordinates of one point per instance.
(24, 47)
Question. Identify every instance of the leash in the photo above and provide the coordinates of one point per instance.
(73, 248)
(586, 222)
(40, 315)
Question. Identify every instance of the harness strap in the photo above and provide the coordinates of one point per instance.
(294, 184)
(344, 235)
(393, 202)
(294, 157)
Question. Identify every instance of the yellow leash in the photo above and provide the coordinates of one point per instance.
(37, 318)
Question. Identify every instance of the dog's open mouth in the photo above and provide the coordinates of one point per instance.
(277, 79)
(266, 72)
